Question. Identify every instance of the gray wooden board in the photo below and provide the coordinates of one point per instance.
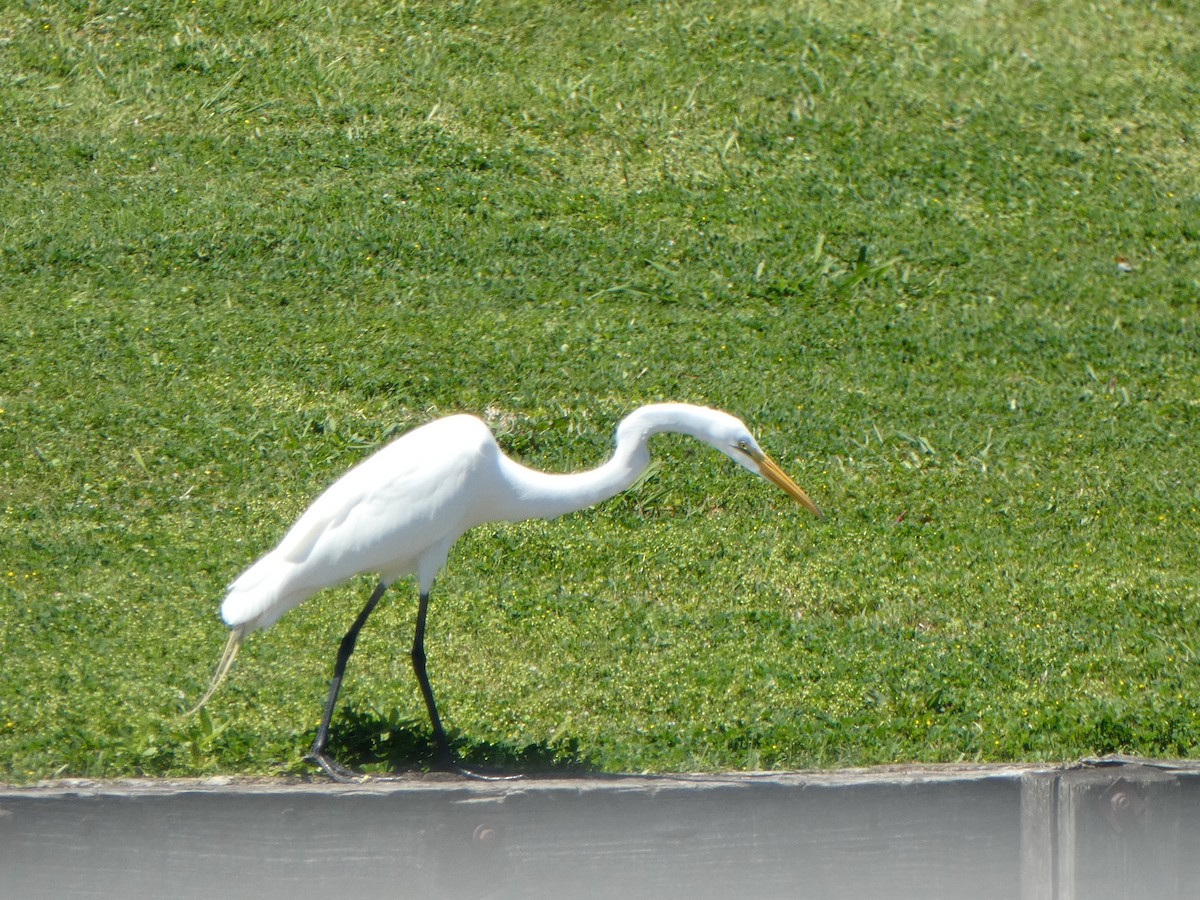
(966, 831)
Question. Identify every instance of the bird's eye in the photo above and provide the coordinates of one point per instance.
(744, 446)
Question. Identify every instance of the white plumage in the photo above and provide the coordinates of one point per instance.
(396, 513)
(400, 511)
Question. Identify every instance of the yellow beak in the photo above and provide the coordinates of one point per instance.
(777, 476)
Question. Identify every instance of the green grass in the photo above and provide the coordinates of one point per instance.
(241, 247)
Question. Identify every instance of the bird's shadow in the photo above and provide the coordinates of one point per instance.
(365, 740)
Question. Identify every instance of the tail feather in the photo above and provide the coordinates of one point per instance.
(223, 667)
(256, 599)
(260, 595)
(255, 595)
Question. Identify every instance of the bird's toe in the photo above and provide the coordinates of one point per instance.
(334, 769)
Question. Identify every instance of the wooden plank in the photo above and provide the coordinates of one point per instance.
(1039, 798)
(1119, 834)
(983, 832)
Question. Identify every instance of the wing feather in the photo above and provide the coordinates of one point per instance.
(391, 514)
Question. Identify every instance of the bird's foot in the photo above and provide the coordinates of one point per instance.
(487, 776)
(449, 763)
(334, 769)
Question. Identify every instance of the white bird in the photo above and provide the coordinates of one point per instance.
(400, 511)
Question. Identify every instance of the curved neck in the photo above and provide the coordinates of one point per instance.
(544, 495)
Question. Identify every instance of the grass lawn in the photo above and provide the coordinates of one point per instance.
(943, 257)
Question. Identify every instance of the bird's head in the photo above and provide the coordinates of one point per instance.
(716, 428)
(730, 435)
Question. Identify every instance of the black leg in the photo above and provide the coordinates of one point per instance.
(445, 755)
(317, 754)
(418, 661)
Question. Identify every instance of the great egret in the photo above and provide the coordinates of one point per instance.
(400, 511)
